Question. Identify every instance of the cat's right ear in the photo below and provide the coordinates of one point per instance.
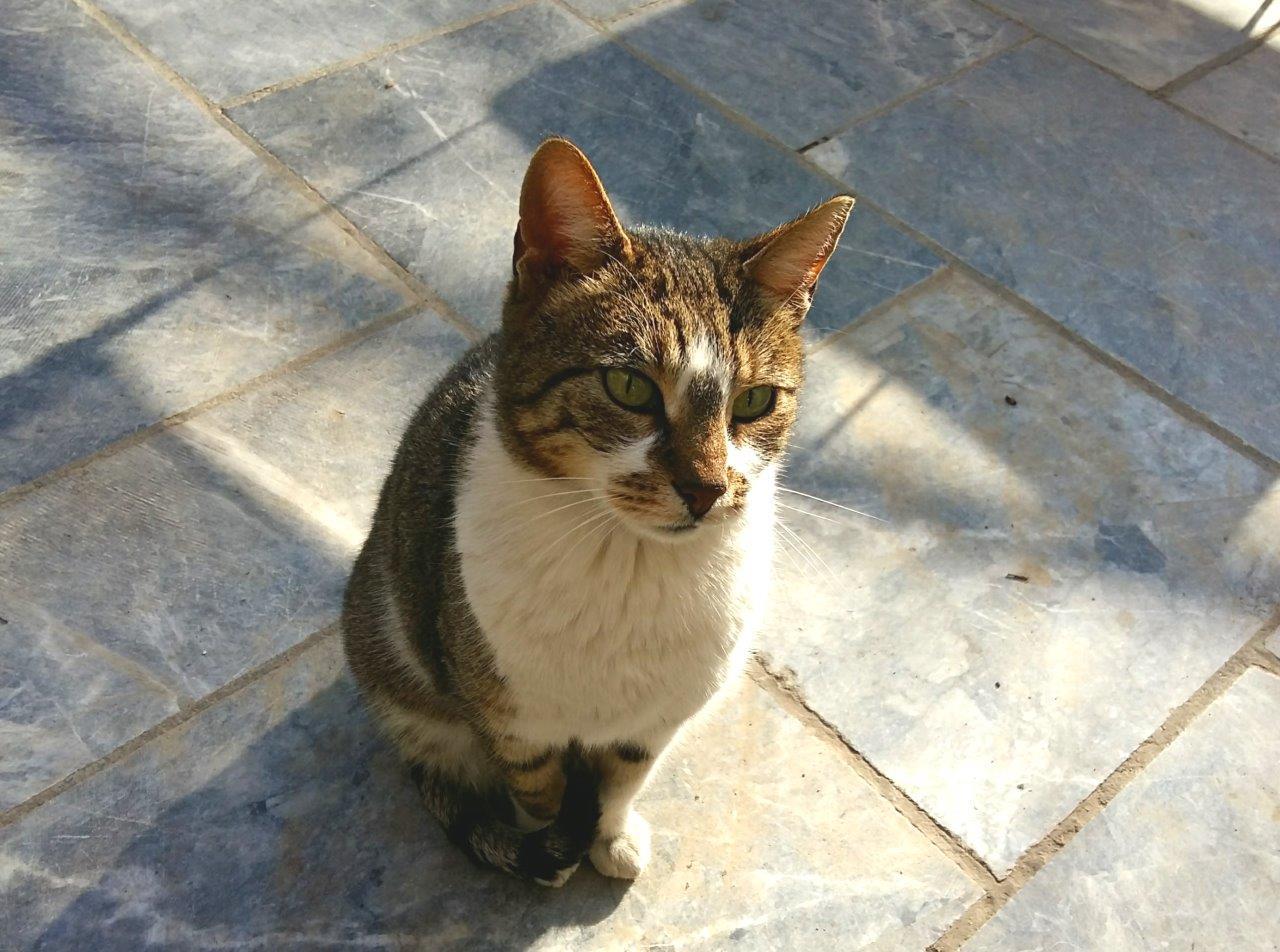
(567, 225)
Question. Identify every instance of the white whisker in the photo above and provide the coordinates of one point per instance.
(856, 512)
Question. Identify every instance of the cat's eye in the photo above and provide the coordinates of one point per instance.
(631, 389)
(753, 403)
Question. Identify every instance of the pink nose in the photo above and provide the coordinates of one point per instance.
(700, 497)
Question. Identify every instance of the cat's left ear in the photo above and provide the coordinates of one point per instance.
(786, 262)
(566, 221)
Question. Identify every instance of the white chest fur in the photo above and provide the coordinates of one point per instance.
(602, 634)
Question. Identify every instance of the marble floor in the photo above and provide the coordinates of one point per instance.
(1031, 705)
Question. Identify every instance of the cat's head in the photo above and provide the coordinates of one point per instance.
(659, 370)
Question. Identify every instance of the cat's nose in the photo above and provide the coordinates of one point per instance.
(700, 497)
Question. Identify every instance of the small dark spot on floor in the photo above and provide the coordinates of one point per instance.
(1010, 401)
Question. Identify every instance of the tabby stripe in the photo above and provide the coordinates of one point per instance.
(557, 378)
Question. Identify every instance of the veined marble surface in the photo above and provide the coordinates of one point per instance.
(148, 260)
(1148, 41)
(231, 48)
(802, 70)
(1149, 234)
(425, 150)
(157, 574)
(1141, 548)
(1242, 97)
(281, 816)
(1186, 857)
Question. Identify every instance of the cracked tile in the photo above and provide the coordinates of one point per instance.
(1140, 229)
(1054, 576)
(159, 573)
(148, 261)
(425, 150)
(1186, 856)
(801, 70)
(223, 832)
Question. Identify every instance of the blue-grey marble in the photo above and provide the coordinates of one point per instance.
(1273, 643)
(235, 47)
(280, 817)
(1147, 41)
(148, 260)
(608, 9)
(1242, 97)
(1053, 577)
(159, 573)
(1146, 232)
(1186, 857)
(802, 70)
(425, 149)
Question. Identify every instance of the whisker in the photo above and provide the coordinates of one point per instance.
(830, 574)
(523, 503)
(856, 512)
(576, 527)
(568, 505)
(543, 479)
(813, 515)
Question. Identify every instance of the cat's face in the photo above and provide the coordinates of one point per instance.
(657, 370)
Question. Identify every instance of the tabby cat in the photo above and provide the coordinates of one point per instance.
(576, 536)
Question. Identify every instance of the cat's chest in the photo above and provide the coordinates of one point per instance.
(602, 636)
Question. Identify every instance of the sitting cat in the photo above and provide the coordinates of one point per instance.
(576, 536)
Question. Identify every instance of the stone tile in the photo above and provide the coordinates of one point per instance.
(1186, 857)
(231, 48)
(1242, 97)
(607, 9)
(1151, 41)
(1139, 545)
(147, 259)
(425, 150)
(1144, 231)
(772, 62)
(1273, 643)
(159, 573)
(223, 832)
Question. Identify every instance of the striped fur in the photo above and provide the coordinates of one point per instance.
(555, 581)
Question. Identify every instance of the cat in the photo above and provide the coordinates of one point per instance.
(576, 537)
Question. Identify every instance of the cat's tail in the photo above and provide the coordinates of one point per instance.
(547, 856)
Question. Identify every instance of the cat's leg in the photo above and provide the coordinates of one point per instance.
(534, 777)
(621, 848)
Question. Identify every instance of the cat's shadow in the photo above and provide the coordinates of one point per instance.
(310, 837)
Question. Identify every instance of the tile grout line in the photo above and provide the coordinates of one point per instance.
(339, 66)
(349, 339)
(909, 293)
(1196, 73)
(1053, 842)
(783, 689)
(417, 288)
(627, 14)
(907, 97)
(1152, 94)
(1196, 417)
(170, 723)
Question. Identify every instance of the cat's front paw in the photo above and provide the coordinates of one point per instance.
(626, 854)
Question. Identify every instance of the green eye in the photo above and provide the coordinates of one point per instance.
(753, 403)
(631, 389)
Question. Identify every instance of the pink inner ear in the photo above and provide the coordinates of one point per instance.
(565, 216)
(792, 261)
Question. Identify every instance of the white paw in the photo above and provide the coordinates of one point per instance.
(562, 877)
(625, 855)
